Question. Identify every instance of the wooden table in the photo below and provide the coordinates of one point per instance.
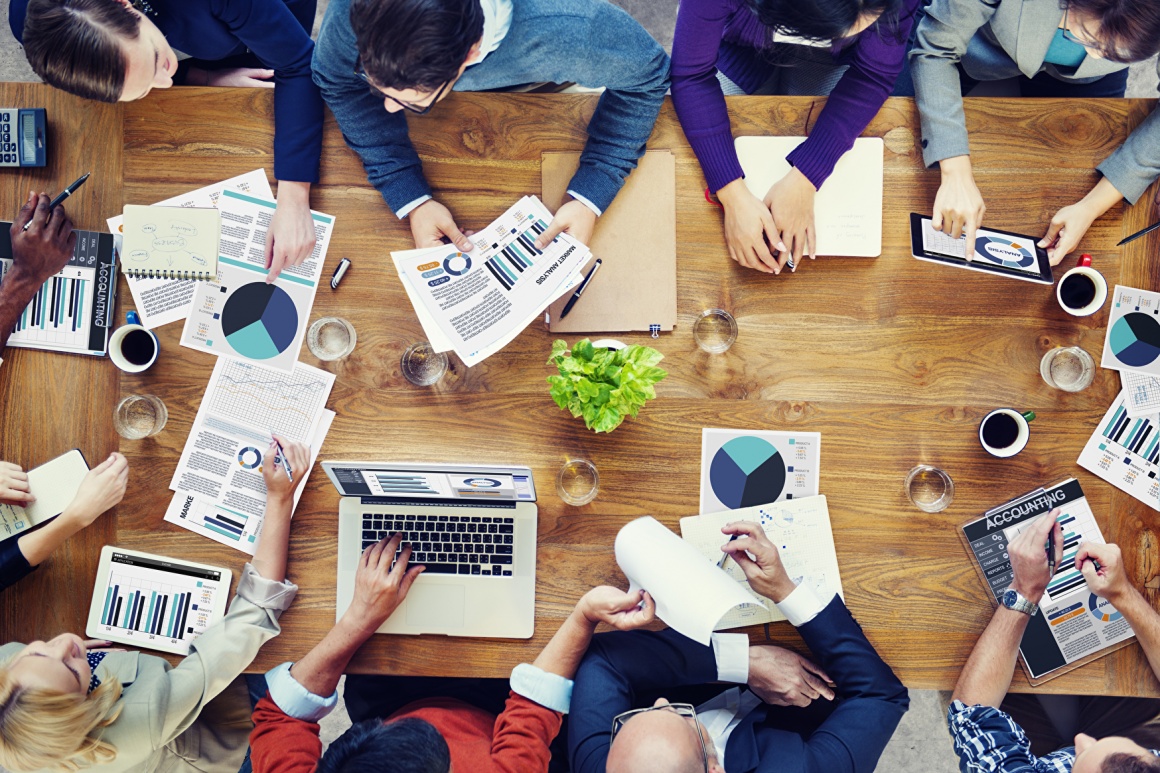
(894, 361)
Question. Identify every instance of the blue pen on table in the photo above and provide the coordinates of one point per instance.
(70, 190)
(579, 290)
(725, 556)
(282, 458)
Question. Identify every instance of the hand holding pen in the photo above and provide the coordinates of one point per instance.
(1103, 569)
(285, 466)
(64, 195)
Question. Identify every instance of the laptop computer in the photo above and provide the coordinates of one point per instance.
(472, 526)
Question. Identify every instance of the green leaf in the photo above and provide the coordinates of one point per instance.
(559, 348)
(603, 386)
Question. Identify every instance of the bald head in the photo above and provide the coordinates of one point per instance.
(656, 742)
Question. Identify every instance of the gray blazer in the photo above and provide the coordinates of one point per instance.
(996, 39)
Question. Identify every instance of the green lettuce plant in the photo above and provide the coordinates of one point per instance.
(603, 385)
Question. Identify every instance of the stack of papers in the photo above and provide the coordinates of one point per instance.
(475, 303)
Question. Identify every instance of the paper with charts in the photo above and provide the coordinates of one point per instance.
(691, 593)
(800, 528)
(476, 302)
(1125, 451)
(240, 315)
(220, 490)
(742, 468)
(161, 301)
(1141, 393)
(1133, 337)
(170, 242)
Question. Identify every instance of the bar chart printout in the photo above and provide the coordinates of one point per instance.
(1125, 451)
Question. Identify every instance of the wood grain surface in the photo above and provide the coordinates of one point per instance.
(893, 360)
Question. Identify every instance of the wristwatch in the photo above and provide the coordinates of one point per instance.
(1013, 599)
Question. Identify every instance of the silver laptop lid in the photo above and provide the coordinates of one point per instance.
(432, 482)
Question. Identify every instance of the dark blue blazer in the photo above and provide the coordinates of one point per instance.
(277, 33)
(845, 736)
(13, 564)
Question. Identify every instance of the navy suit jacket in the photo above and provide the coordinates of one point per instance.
(277, 33)
(845, 736)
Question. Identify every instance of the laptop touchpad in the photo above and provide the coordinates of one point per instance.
(435, 606)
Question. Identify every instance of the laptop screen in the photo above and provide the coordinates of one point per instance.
(494, 484)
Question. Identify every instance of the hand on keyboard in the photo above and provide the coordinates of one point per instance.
(381, 583)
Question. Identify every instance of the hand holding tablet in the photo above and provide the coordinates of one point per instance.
(996, 252)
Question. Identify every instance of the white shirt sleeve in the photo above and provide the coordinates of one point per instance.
(731, 650)
(294, 699)
(585, 202)
(801, 606)
(406, 210)
(551, 691)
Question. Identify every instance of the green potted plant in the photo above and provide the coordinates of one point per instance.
(602, 384)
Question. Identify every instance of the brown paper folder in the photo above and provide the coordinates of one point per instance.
(636, 237)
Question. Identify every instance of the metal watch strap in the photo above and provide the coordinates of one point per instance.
(1021, 603)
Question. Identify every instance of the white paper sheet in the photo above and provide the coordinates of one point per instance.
(1132, 341)
(1125, 451)
(742, 468)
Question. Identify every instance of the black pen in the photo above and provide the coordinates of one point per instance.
(1051, 552)
(725, 556)
(1138, 234)
(576, 295)
(63, 195)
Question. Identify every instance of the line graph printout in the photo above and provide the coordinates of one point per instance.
(288, 404)
(1141, 393)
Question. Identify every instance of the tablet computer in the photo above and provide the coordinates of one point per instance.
(155, 602)
(996, 252)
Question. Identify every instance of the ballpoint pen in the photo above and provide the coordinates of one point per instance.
(282, 458)
(576, 295)
(725, 556)
(63, 195)
(1138, 234)
(1051, 552)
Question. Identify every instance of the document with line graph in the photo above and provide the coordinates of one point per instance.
(221, 493)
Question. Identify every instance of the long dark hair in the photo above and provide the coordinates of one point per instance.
(415, 44)
(824, 19)
(1130, 27)
(75, 45)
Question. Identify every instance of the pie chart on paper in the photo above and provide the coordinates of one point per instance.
(1135, 339)
(259, 321)
(747, 471)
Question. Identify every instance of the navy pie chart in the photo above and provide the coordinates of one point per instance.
(1135, 339)
(259, 321)
(747, 471)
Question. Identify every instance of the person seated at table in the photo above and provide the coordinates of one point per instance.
(789, 721)
(1078, 49)
(851, 50)
(66, 704)
(1001, 733)
(407, 55)
(102, 488)
(417, 724)
(116, 50)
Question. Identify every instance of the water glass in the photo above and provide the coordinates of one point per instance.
(929, 488)
(1070, 368)
(715, 331)
(578, 482)
(140, 416)
(422, 365)
(331, 338)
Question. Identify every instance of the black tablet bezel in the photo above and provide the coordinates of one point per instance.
(916, 249)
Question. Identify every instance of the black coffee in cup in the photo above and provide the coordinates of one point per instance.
(138, 347)
(1077, 290)
(1000, 431)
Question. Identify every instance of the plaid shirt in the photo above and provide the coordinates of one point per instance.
(988, 741)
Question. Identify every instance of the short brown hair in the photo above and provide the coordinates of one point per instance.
(1130, 763)
(75, 45)
(1130, 27)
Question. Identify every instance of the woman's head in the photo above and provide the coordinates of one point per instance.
(824, 19)
(1120, 30)
(97, 49)
(47, 712)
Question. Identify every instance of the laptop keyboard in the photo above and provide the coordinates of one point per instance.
(448, 544)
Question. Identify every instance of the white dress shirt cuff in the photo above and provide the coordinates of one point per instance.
(551, 691)
(406, 210)
(294, 699)
(731, 651)
(585, 202)
(801, 606)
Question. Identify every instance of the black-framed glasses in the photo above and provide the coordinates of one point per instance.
(1091, 45)
(685, 710)
(409, 106)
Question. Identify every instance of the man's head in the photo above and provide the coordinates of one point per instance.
(1113, 754)
(662, 739)
(413, 51)
(403, 746)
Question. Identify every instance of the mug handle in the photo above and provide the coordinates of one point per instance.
(1085, 260)
(1029, 415)
(132, 318)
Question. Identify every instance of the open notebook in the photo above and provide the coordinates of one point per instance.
(171, 242)
(54, 484)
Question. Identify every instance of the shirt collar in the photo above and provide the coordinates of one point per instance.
(497, 20)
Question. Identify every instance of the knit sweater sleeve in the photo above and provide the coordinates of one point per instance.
(523, 733)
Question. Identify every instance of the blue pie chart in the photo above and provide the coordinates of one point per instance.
(259, 321)
(747, 471)
(1135, 339)
(1005, 252)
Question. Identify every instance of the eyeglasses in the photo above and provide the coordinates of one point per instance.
(1091, 45)
(685, 710)
(411, 107)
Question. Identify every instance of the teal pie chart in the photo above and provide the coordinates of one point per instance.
(1005, 252)
(747, 471)
(259, 321)
(1135, 339)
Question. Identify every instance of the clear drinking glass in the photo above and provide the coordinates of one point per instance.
(140, 416)
(331, 338)
(929, 488)
(1068, 368)
(422, 365)
(715, 331)
(578, 482)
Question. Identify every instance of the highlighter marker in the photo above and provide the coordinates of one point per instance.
(339, 273)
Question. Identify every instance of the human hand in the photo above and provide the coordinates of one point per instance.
(14, 488)
(379, 588)
(1028, 555)
(290, 238)
(791, 202)
(102, 488)
(749, 228)
(1066, 229)
(46, 246)
(623, 611)
(240, 77)
(781, 677)
(573, 218)
(765, 572)
(1110, 581)
(958, 205)
(431, 223)
(278, 486)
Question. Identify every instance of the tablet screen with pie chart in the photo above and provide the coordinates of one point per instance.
(998, 252)
(1133, 336)
(745, 468)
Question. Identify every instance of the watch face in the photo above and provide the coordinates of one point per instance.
(1010, 598)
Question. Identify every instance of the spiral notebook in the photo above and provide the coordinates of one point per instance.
(171, 242)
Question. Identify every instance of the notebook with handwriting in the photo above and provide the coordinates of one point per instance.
(171, 242)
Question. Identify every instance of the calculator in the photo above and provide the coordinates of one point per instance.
(22, 132)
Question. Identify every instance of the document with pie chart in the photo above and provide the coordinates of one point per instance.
(240, 315)
(743, 468)
(1133, 337)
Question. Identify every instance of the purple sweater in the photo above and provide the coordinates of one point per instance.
(727, 35)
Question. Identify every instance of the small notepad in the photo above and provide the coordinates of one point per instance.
(171, 242)
(54, 484)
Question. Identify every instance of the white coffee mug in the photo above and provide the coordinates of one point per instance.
(117, 339)
(1097, 279)
(1023, 433)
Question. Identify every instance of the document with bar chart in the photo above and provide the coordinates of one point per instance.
(1073, 626)
(74, 309)
(1125, 451)
(153, 601)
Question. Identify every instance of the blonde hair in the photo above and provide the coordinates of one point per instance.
(48, 730)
